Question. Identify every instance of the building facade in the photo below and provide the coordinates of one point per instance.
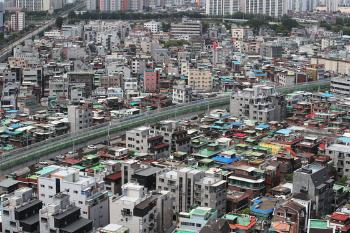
(260, 103)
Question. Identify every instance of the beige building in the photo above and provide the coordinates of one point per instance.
(200, 79)
(333, 65)
(241, 33)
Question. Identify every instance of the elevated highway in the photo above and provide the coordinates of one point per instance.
(41, 149)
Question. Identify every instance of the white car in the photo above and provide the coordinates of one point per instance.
(92, 147)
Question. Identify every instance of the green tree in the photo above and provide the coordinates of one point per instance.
(245, 211)
(342, 181)
(59, 22)
(166, 27)
(72, 15)
(289, 23)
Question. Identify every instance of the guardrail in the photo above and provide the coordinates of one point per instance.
(40, 149)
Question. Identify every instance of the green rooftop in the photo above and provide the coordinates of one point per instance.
(78, 167)
(243, 220)
(179, 230)
(202, 211)
(205, 161)
(318, 224)
(45, 170)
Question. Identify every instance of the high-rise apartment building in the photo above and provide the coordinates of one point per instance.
(35, 5)
(274, 8)
(222, 7)
(91, 5)
(332, 5)
(2, 11)
(18, 21)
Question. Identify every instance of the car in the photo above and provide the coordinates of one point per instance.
(43, 163)
(92, 147)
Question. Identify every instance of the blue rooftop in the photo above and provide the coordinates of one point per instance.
(327, 95)
(236, 123)
(11, 111)
(225, 160)
(284, 131)
(344, 140)
(263, 126)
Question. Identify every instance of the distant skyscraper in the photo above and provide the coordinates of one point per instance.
(302, 5)
(2, 10)
(213, 7)
(91, 5)
(18, 21)
(332, 5)
(274, 8)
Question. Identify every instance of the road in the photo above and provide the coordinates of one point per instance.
(6, 52)
(97, 133)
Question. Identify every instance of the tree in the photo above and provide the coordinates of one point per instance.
(245, 211)
(72, 15)
(166, 27)
(59, 22)
(342, 181)
(289, 23)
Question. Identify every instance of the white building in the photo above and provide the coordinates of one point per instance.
(113, 228)
(140, 140)
(134, 209)
(87, 193)
(62, 216)
(332, 5)
(182, 94)
(2, 16)
(186, 29)
(274, 8)
(341, 85)
(222, 7)
(18, 21)
(20, 212)
(340, 155)
(153, 26)
(79, 117)
(196, 219)
(191, 187)
(261, 103)
(286, 78)
(241, 33)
